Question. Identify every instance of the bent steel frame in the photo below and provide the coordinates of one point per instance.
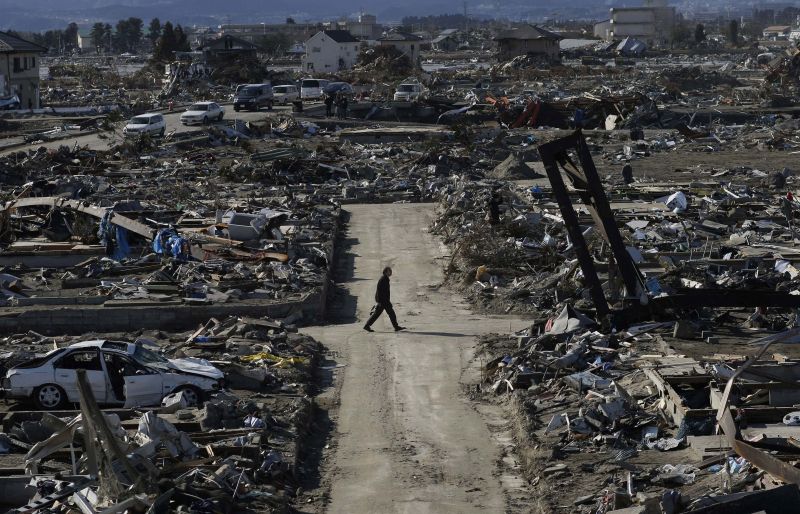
(557, 156)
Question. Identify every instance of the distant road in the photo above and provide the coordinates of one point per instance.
(173, 124)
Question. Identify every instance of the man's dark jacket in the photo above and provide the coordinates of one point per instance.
(382, 294)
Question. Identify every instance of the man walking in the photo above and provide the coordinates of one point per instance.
(383, 302)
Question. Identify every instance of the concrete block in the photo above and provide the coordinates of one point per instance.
(684, 330)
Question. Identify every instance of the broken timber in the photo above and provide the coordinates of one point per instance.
(84, 207)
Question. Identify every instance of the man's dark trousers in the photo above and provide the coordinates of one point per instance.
(379, 308)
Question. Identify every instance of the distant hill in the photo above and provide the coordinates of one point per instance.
(47, 14)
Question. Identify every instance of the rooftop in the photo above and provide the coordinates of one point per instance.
(527, 32)
(10, 43)
(341, 36)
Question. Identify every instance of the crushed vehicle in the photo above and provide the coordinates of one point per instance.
(9, 103)
(119, 373)
(335, 88)
(408, 91)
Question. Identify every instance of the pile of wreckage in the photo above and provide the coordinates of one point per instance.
(228, 449)
(632, 388)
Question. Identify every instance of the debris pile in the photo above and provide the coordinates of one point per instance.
(238, 449)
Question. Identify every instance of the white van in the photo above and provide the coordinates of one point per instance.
(408, 91)
(150, 123)
(311, 89)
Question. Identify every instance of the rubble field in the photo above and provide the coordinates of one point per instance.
(640, 218)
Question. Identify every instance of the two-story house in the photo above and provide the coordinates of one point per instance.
(19, 69)
(329, 51)
(408, 44)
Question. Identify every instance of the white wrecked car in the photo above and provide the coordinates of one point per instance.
(120, 374)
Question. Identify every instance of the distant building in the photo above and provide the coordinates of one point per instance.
(365, 28)
(447, 41)
(254, 32)
(652, 24)
(85, 41)
(602, 29)
(777, 32)
(19, 69)
(229, 47)
(408, 44)
(527, 39)
(329, 51)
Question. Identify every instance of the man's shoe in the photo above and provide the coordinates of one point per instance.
(399, 328)
(368, 329)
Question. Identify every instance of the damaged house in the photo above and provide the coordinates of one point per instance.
(19, 69)
(527, 40)
(229, 47)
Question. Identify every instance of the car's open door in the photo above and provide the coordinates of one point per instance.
(143, 387)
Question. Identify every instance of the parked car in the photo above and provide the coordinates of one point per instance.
(9, 103)
(334, 88)
(408, 91)
(119, 373)
(253, 97)
(202, 112)
(151, 123)
(285, 94)
(311, 89)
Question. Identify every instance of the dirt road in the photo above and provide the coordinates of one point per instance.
(406, 439)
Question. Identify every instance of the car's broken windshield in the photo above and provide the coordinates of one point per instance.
(150, 358)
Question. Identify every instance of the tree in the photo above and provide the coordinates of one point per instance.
(98, 35)
(290, 21)
(699, 33)
(154, 30)
(134, 36)
(71, 36)
(733, 32)
(107, 41)
(680, 32)
(275, 44)
(181, 40)
(53, 39)
(165, 49)
(129, 34)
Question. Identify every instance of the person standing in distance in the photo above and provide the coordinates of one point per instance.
(383, 302)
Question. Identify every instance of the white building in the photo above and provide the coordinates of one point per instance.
(652, 25)
(329, 51)
(85, 41)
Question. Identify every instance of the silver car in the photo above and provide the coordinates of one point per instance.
(201, 113)
(119, 373)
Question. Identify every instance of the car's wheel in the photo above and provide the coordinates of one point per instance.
(269, 105)
(236, 109)
(219, 118)
(193, 395)
(49, 397)
(161, 132)
(205, 120)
